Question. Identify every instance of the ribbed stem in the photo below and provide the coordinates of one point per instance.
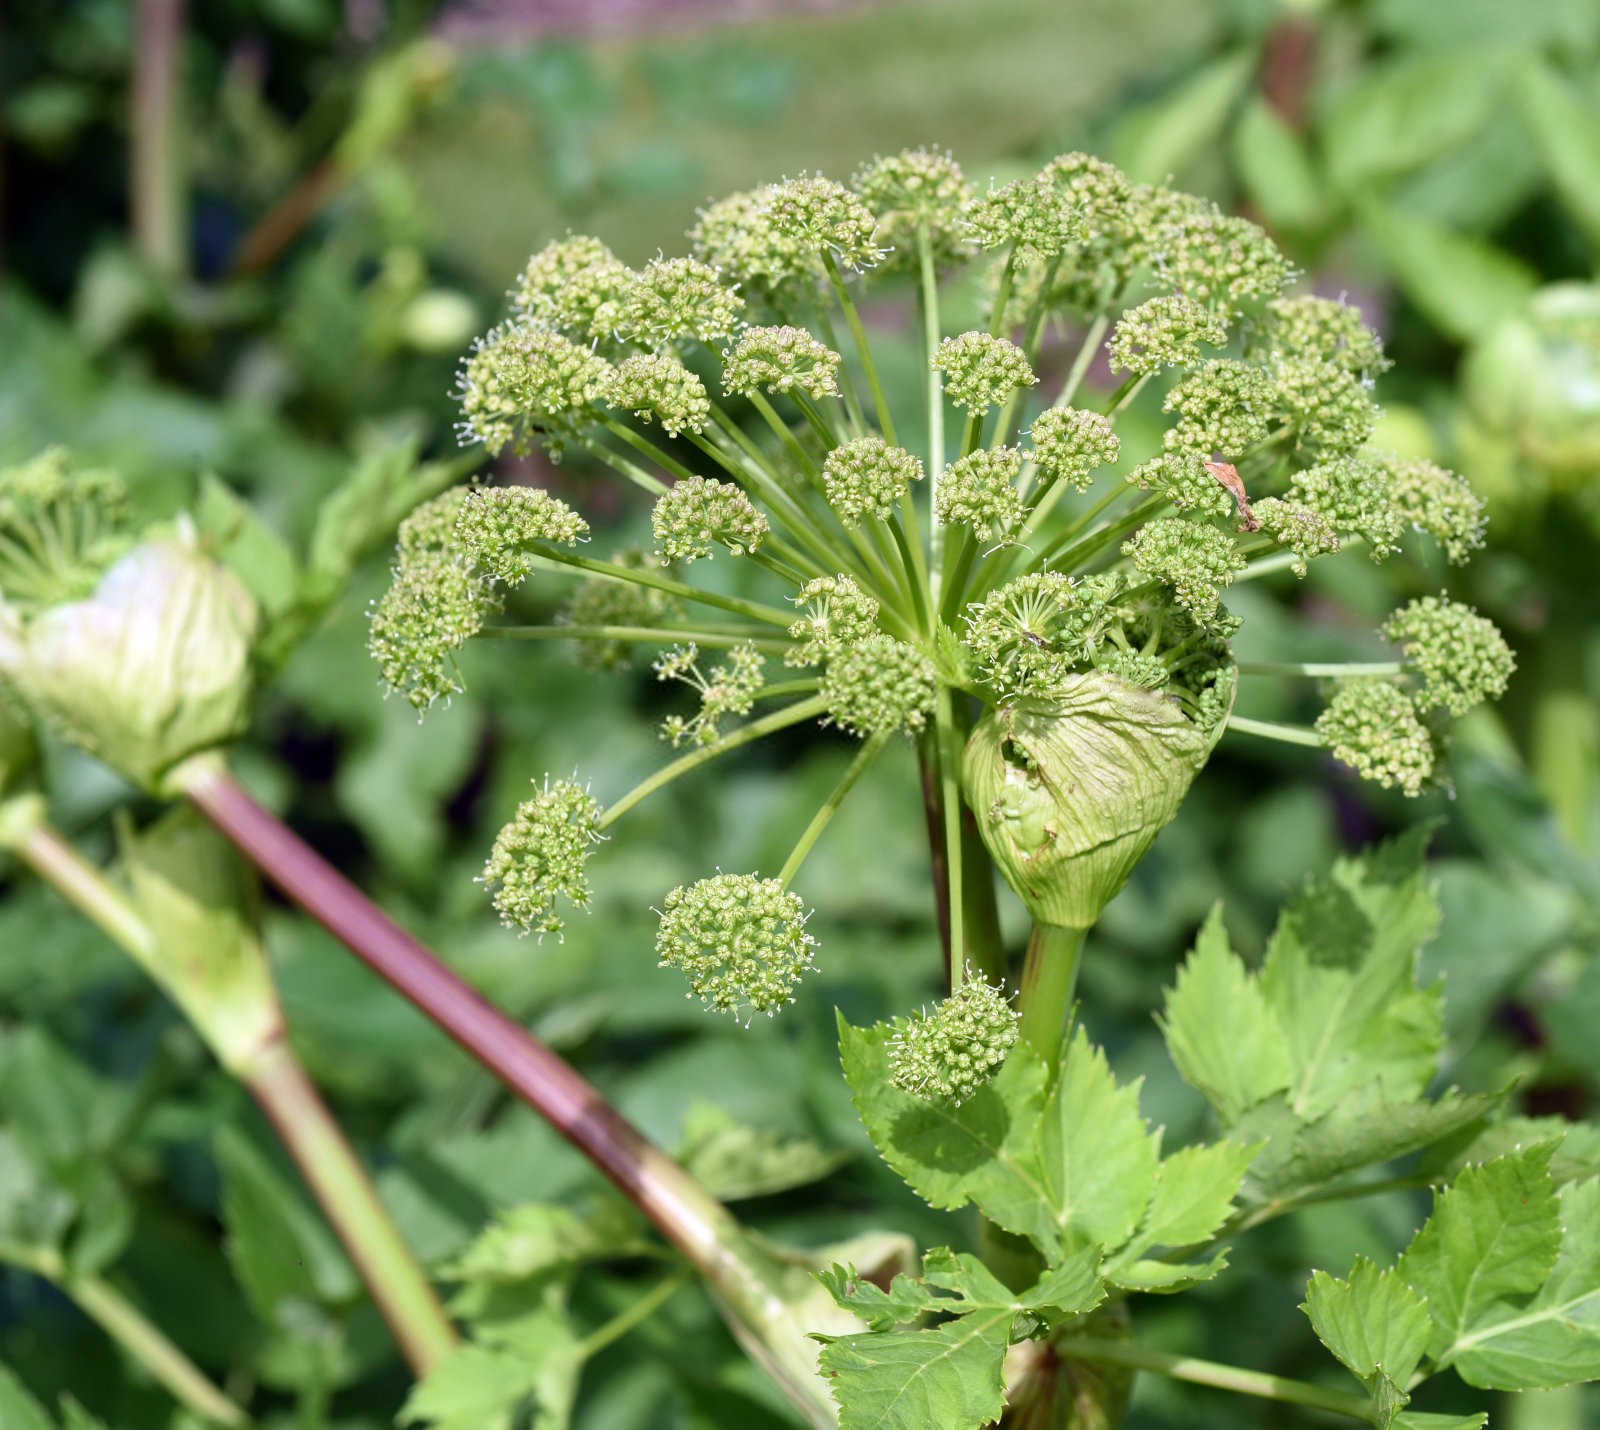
(636, 576)
(929, 295)
(1273, 730)
(1322, 670)
(330, 1166)
(695, 1222)
(1049, 976)
(954, 853)
(664, 635)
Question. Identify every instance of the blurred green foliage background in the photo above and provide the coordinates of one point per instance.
(273, 285)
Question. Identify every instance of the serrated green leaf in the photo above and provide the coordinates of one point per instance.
(732, 1161)
(1554, 1338)
(1340, 977)
(949, 1376)
(1072, 1287)
(1372, 1321)
(1194, 1193)
(1363, 1130)
(537, 1239)
(964, 1276)
(281, 1249)
(475, 1388)
(1574, 1157)
(1222, 1036)
(1567, 133)
(1463, 285)
(1278, 170)
(18, 1409)
(983, 1151)
(1494, 1234)
(1163, 1278)
(905, 1300)
(1097, 1156)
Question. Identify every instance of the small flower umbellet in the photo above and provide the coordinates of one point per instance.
(1037, 600)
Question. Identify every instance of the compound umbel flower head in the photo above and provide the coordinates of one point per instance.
(951, 1051)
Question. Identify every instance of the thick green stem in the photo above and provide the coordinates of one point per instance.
(949, 734)
(1219, 1376)
(744, 735)
(1049, 976)
(120, 1319)
(399, 1288)
(857, 767)
(154, 182)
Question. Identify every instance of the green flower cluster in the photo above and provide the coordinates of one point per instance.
(952, 1051)
(540, 857)
(1038, 599)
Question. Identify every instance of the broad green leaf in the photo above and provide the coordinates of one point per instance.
(1404, 111)
(18, 1409)
(949, 1376)
(963, 1275)
(1494, 1234)
(1567, 132)
(1220, 1032)
(905, 1300)
(732, 1161)
(1372, 1321)
(983, 1151)
(1278, 171)
(1423, 1420)
(242, 541)
(1553, 1339)
(60, 1111)
(281, 1249)
(476, 1388)
(1463, 285)
(1156, 141)
(1194, 1193)
(1340, 976)
(1163, 1278)
(1363, 1130)
(536, 1239)
(1575, 1148)
(1097, 1156)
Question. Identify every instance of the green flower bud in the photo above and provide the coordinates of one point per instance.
(1224, 262)
(739, 236)
(1071, 789)
(838, 613)
(740, 940)
(1186, 481)
(1033, 214)
(1354, 496)
(657, 387)
(868, 477)
(782, 360)
(521, 381)
(672, 299)
(730, 689)
(1195, 560)
(540, 857)
(61, 526)
(1071, 445)
(1435, 501)
(878, 684)
(154, 667)
(433, 607)
(600, 602)
(198, 899)
(1461, 657)
(1225, 408)
(1373, 727)
(980, 492)
(574, 283)
(430, 529)
(1328, 408)
(496, 526)
(818, 214)
(1322, 329)
(913, 191)
(1301, 530)
(981, 371)
(1166, 331)
(1097, 188)
(698, 513)
(952, 1051)
(1532, 389)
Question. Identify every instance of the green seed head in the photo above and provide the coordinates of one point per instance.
(1373, 726)
(950, 1052)
(522, 382)
(675, 299)
(868, 477)
(1224, 409)
(821, 216)
(780, 360)
(698, 514)
(540, 858)
(877, 685)
(1196, 561)
(1460, 656)
(497, 527)
(838, 613)
(913, 192)
(573, 284)
(981, 371)
(1165, 331)
(658, 388)
(1071, 445)
(980, 492)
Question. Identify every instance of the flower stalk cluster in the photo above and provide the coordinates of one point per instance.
(1040, 604)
